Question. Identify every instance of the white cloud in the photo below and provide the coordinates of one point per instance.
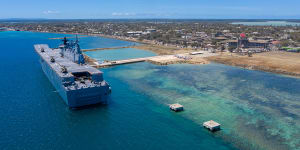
(123, 14)
(50, 12)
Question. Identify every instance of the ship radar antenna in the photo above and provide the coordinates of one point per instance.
(65, 40)
(77, 39)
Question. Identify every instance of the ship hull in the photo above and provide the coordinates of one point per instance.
(75, 98)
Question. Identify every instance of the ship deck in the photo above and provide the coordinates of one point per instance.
(60, 62)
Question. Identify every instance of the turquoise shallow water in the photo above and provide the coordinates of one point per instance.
(269, 23)
(119, 54)
(99, 42)
(257, 110)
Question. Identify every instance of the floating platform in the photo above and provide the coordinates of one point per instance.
(176, 107)
(212, 125)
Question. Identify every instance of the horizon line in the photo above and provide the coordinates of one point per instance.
(149, 19)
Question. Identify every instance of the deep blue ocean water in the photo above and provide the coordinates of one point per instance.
(257, 110)
(33, 116)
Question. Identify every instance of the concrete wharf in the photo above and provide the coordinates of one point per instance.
(126, 61)
(159, 60)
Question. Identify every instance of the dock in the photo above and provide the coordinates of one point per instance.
(119, 62)
(212, 125)
(153, 59)
(158, 60)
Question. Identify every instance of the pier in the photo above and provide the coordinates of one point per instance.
(119, 62)
(158, 60)
(153, 59)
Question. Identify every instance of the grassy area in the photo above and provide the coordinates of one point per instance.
(291, 49)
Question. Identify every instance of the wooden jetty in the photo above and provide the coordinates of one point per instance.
(212, 125)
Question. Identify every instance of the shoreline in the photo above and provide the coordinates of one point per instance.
(273, 62)
(233, 60)
(260, 68)
(98, 35)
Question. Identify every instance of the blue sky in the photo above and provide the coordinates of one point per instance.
(196, 9)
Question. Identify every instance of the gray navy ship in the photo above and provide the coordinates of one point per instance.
(77, 83)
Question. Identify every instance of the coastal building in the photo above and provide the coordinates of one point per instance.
(201, 35)
(134, 33)
(267, 38)
(139, 33)
(187, 36)
(244, 42)
(218, 34)
(220, 38)
(226, 31)
(150, 30)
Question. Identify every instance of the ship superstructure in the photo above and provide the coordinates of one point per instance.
(77, 83)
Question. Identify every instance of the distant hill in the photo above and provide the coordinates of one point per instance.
(22, 19)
